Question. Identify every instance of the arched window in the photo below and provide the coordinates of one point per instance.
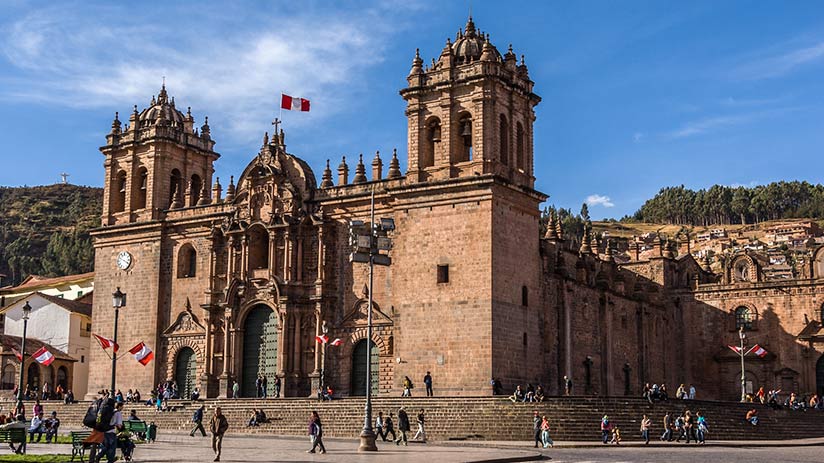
(8, 379)
(63, 377)
(258, 248)
(433, 138)
(174, 185)
(743, 318)
(464, 140)
(503, 130)
(142, 185)
(194, 190)
(520, 158)
(187, 261)
(524, 296)
(119, 197)
(33, 379)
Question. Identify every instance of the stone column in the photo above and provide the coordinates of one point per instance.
(299, 258)
(272, 246)
(320, 255)
(287, 261)
(225, 386)
(284, 321)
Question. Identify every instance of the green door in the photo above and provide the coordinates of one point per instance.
(260, 349)
(359, 368)
(186, 372)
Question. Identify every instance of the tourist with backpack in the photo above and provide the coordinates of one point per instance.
(218, 426)
(108, 421)
(197, 419)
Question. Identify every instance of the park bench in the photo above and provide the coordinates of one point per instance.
(14, 436)
(78, 446)
(136, 427)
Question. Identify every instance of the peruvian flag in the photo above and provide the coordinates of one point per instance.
(43, 356)
(322, 339)
(735, 349)
(293, 103)
(336, 342)
(759, 351)
(17, 354)
(142, 353)
(105, 343)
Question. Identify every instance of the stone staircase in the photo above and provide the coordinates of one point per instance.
(480, 418)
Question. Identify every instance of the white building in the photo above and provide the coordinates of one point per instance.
(68, 287)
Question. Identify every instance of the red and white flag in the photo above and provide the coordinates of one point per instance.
(142, 353)
(735, 349)
(322, 339)
(17, 354)
(336, 342)
(43, 356)
(105, 343)
(293, 103)
(759, 351)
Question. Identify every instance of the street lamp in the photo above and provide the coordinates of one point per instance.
(325, 330)
(368, 240)
(118, 301)
(26, 312)
(742, 338)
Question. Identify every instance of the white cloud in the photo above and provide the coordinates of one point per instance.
(232, 68)
(779, 61)
(599, 200)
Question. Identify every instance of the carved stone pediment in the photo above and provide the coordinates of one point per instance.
(358, 316)
(186, 324)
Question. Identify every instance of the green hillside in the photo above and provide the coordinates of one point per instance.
(44, 230)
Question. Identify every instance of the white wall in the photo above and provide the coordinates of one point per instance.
(47, 322)
(79, 345)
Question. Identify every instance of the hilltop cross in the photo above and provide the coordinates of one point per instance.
(65, 178)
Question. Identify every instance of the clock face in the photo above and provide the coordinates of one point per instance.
(124, 260)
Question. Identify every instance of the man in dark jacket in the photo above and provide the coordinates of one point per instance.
(197, 419)
(403, 427)
(218, 426)
(536, 428)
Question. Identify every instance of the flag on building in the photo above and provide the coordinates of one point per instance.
(105, 343)
(43, 356)
(759, 351)
(17, 354)
(293, 103)
(142, 353)
(323, 339)
(336, 342)
(735, 349)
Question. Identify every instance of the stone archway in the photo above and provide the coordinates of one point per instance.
(33, 377)
(260, 348)
(186, 371)
(358, 382)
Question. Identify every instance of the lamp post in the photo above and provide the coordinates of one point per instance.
(26, 312)
(325, 330)
(368, 240)
(742, 338)
(118, 301)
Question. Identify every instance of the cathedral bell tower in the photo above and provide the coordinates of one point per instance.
(159, 161)
(470, 113)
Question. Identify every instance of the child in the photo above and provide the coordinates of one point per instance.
(616, 435)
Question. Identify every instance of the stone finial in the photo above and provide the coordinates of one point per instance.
(177, 198)
(487, 52)
(559, 229)
(265, 139)
(551, 231)
(417, 63)
(204, 199)
(116, 127)
(216, 190)
(706, 265)
(343, 172)
(377, 167)
(596, 243)
(360, 171)
(205, 131)
(394, 165)
(326, 181)
(586, 242)
(608, 256)
(667, 250)
(230, 190)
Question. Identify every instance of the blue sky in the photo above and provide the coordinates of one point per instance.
(637, 95)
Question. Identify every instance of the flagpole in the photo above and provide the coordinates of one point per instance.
(742, 337)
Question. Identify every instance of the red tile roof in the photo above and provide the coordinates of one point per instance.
(75, 306)
(37, 281)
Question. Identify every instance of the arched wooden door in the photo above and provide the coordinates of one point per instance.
(359, 368)
(186, 371)
(819, 376)
(63, 378)
(33, 379)
(260, 348)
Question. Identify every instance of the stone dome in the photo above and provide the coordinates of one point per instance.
(469, 45)
(162, 109)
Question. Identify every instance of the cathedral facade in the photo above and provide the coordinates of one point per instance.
(226, 286)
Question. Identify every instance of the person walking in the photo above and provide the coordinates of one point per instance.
(403, 427)
(688, 426)
(701, 430)
(667, 436)
(235, 389)
(691, 393)
(316, 433)
(567, 385)
(197, 419)
(388, 428)
(218, 426)
(679, 428)
(379, 426)
(277, 387)
(606, 429)
(407, 387)
(645, 424)
(536, 428)
(264, 385)
(259, 386)
(421, 432)
(427, 380)
(545, 439)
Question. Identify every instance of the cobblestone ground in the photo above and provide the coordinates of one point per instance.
(687, 455)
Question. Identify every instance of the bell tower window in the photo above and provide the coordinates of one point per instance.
(142, 185)
(174, 185)
(194, 190)
(519, 148)
(433, 140)
(258, 248)
(464, 142)
(504, 136)
(119, 198)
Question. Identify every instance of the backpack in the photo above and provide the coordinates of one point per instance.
(104, 416)
(90, 420)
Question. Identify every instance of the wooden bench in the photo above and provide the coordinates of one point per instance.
(14, 436)
(78, 446)
(138, 428)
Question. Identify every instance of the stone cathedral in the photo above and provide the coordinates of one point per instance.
(229, 283)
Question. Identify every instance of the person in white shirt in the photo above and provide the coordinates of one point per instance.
(36, 427)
